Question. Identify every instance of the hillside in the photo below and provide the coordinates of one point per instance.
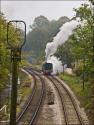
(42, 31)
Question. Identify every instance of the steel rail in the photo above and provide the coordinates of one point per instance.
(41, 98)
(73, 102)
(20, 115)
(39, 102)
(63, 104)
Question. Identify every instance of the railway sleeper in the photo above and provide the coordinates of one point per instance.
(50, 97)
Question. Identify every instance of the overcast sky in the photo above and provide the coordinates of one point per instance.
(28, 10)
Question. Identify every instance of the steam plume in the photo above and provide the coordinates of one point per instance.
(65, 31)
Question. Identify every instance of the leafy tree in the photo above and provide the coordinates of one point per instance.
(64, 54)
(39, 22)
(4, 51)
(87, 13)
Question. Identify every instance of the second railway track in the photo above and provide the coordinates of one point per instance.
(31, 109)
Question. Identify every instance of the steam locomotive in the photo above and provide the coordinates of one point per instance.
(47, 68)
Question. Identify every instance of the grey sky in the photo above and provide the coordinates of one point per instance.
(28, 10)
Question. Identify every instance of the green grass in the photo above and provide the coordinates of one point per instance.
(23, 90)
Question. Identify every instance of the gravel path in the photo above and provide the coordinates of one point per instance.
(51, 114)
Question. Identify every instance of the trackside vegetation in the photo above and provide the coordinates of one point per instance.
(78, 53)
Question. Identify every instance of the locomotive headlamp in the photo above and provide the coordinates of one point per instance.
(16, 34)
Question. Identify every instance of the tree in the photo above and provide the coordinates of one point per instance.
(64, 54)
(39, 22)
(4, 52)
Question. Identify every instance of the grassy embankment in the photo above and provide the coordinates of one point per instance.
(24, 91)
(84, 96)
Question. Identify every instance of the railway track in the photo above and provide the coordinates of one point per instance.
(69, 106)
(31, 109)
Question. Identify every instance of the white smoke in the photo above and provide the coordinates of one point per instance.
(66, 30)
